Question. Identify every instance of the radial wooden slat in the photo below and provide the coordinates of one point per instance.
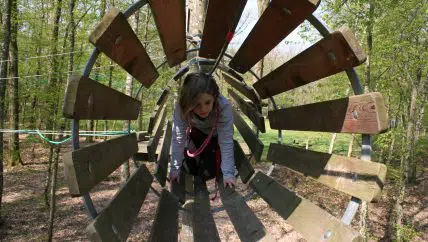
(159, 105)
(162, 166)
(362, 114)
(115, 222)
(240, 86)
(87, 99)
(358, 178)
(337, 52)
(222, 17)
(243, 165)
(279, 19)
(311, 221)
(170, 19)
(253, 142)
(154, 141)
(165, 226)
(249, 110)
(86, 167)
(114, 37)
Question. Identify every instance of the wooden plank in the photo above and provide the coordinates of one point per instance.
(154, 141)
(279, 19)
(243, 165)
(253, 114)
(241, 87)
(222, 17)
(86, 167)
(170, 19)
(358, 178)
(115, 222)
(142, 136)
(365, 114)
(87, 99)
(253, 142)
(165, 226)
(247, 225)
(159, 105)
(162, 166)
(312, 222)
(335, 53)
(204, 228)
(114, 37)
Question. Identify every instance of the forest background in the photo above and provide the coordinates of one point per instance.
(44, 42)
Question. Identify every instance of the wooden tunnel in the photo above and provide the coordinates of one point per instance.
(86, 99)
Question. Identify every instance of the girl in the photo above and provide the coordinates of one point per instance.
(202, 131)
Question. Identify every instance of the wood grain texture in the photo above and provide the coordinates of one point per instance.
(165, 226)
(204, 228)
(86, 167)
(86, 99)
(249, 110)
(333, 54)
(254, 143)
(170, 19)
(115, 222)
(305, 217)
(164, 157)
(247, 225)
(358, 178)
(154, 141)
(243, 165)
(115, 38)
(364, 114)
(279, 19)
(222, 16)
(159, 105)
(241, 87)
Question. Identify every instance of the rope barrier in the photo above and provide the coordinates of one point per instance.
(48, 132)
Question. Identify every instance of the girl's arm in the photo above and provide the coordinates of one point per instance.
(178, 140)
(225, 141)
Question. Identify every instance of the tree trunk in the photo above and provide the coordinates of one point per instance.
(141, 97)
(15, 156)
(391, 149)
(259, 67)
(52, 194)
(6, 25)
(48, 176)
(128, 91)
(333, 139)
(351, 145)
(369, 30)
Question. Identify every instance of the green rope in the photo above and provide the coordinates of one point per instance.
(51, 141)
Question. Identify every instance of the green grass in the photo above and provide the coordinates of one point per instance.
(318, 141)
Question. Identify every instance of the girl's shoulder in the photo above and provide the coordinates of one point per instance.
(223, 102)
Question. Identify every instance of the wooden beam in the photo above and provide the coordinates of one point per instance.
(241, 87)
(86, 167)
(142, 136)
(154, 141)
(358, 178)
(243, 165)
(279, 19)
(159, 104)
(115, 222)
(202, 219)
(222, 17)
(247, 225)
(253, 114)
(335, 53)
(306, 218)
(364, 114)
(170, 19)
(253, 142)
(114, 37)
(162, 165)
(165, 226)
(87, 99)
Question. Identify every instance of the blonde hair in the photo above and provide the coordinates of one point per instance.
(193, 85)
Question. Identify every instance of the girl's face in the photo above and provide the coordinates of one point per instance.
(204, 105)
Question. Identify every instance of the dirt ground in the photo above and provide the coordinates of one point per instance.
(25, 215)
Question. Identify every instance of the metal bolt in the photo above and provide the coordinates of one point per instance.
(327, 234)
(331, 56)
(118, 39)
(354, 114)
(287, 11)
(354, 177)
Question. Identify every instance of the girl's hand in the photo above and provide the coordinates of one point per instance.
(175, 176)
(229, 182)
